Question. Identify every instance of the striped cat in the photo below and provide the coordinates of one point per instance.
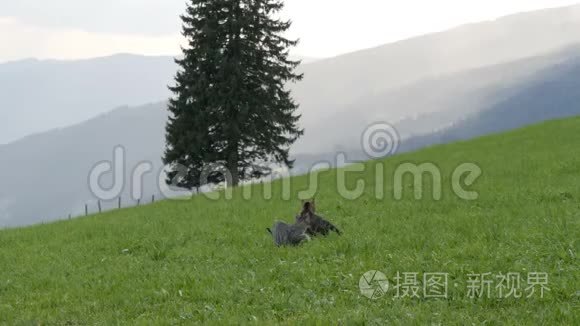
(316, 224)
(289, 235)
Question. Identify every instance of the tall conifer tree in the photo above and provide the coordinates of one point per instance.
(230, 105)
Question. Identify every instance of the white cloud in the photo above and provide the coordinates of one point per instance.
(325, 27)
(331, 27)
(59, 43)
(7, 20)
(151, 17)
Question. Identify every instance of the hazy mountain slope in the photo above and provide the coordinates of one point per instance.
(68, 92)
(337, 82)
(51, 169)
(553, 95)
(46, 176)
(437, 103)
(42, 95)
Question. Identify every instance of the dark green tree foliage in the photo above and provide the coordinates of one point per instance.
(230, 106)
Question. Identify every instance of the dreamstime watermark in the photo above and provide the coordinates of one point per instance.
(379, 140)
(117, 170)
(413, 285)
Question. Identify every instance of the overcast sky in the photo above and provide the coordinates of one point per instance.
(67, 29)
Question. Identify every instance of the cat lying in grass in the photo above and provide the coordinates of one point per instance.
(307, 224)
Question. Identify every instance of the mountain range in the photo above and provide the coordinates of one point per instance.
(462, 83)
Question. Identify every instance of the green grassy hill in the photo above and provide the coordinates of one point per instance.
(204, 261)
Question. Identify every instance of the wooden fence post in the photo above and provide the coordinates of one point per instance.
(100, 209)
(152, 198)
(119, 202)
(86, 210)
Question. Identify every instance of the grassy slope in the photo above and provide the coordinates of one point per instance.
(204, 261)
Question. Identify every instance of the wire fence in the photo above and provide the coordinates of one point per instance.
(99, 206)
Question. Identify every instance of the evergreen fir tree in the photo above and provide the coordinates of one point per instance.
(230, 105)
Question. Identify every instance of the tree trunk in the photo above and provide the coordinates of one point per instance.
(233, 177)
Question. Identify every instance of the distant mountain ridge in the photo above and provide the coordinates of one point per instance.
(51, 169)
(76, 90)
(71, 92)
(42, 95)
(340, 82)
(448, 86)
(439, 102)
